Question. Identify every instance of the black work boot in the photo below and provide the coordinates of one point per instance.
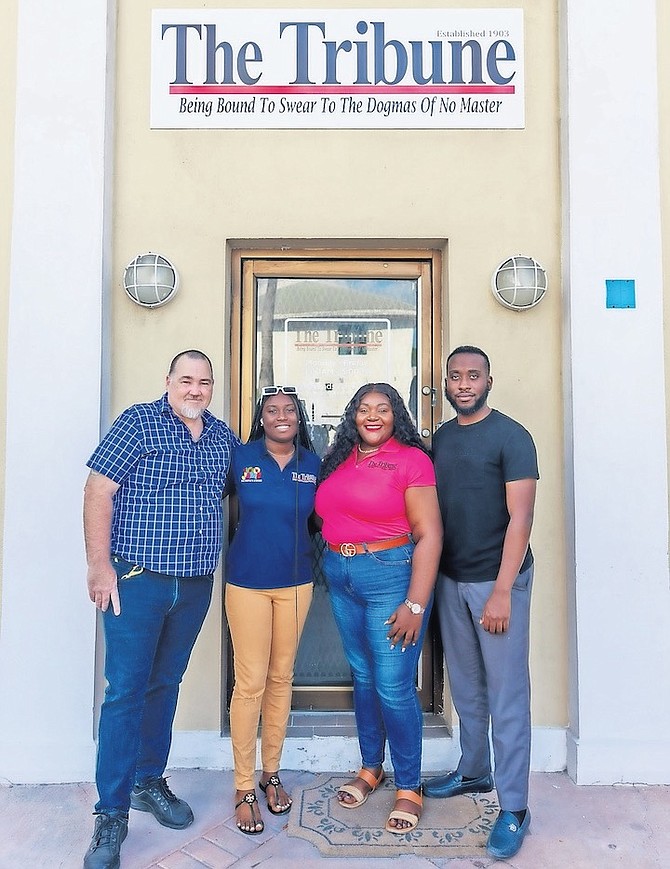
(156, 797)
(105, 847)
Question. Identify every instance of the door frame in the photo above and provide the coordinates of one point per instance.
(423, 264)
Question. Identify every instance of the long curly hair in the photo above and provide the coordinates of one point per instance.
(346, 434)
(303, 437)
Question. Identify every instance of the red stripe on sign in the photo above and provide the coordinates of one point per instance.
(244, 90)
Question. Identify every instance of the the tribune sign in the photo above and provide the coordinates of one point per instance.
(337, 69)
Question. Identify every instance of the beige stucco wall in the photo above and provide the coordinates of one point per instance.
(7, 106)
(489, 194)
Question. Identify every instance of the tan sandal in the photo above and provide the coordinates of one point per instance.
(355, 792)
(397, 815)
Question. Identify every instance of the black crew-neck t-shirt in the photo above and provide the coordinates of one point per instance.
(472, 464)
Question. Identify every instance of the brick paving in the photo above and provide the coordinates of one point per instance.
(49, 827)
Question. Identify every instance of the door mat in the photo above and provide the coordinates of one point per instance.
(455, 827)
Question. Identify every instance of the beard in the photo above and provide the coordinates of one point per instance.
(189, 412)
(473, 408)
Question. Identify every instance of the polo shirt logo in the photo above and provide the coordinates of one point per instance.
(384, 466)
(303, 478)
(251, 474)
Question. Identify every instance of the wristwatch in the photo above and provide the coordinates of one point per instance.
(415, 608)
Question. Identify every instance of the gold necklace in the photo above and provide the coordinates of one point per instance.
(365, 452)
(281, 455)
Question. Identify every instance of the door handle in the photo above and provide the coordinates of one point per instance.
(430, 390)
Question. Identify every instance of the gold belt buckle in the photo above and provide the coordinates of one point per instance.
(348, 549)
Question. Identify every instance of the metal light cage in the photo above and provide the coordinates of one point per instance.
(519, 283)
(150, 280)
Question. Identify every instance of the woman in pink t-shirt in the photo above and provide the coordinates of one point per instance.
(381, 523)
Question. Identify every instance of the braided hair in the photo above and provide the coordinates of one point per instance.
(347, 437)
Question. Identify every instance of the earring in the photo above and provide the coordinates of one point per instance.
(261, 423)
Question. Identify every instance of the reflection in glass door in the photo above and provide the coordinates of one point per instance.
(326, 327)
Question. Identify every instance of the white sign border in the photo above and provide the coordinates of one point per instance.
(302, 69)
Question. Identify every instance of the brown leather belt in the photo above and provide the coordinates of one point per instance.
(351, 549)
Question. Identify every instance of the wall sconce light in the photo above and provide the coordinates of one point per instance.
(150, 280)
(519, 283)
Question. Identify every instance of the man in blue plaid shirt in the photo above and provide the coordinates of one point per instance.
(152, 525)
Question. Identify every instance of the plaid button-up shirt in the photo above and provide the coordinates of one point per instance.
(168, 508)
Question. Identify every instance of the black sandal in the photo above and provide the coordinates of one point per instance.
(275, 781)
(251, 800)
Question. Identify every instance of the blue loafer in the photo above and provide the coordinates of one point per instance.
(452, 784)
(507, 835)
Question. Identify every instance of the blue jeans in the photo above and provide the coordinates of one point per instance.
(364, 591)
(147, 650)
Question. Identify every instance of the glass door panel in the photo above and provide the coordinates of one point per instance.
(328, 336)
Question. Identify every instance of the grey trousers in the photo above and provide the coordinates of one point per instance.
(490, 682)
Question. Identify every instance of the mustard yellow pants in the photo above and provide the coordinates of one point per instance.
(265, 627)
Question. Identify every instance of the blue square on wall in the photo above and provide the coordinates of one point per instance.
(620, 293)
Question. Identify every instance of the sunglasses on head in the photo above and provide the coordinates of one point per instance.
(275, 390)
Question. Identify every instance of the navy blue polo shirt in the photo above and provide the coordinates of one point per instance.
(271, 547)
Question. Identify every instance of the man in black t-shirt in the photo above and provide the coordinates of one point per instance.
(486, 468)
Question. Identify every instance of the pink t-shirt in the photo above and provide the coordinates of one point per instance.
(365, 501)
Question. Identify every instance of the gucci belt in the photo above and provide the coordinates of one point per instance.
(351, 549)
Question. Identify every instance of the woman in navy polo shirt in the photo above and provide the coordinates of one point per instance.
(268, 590)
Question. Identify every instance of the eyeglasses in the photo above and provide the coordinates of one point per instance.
(275, 390)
